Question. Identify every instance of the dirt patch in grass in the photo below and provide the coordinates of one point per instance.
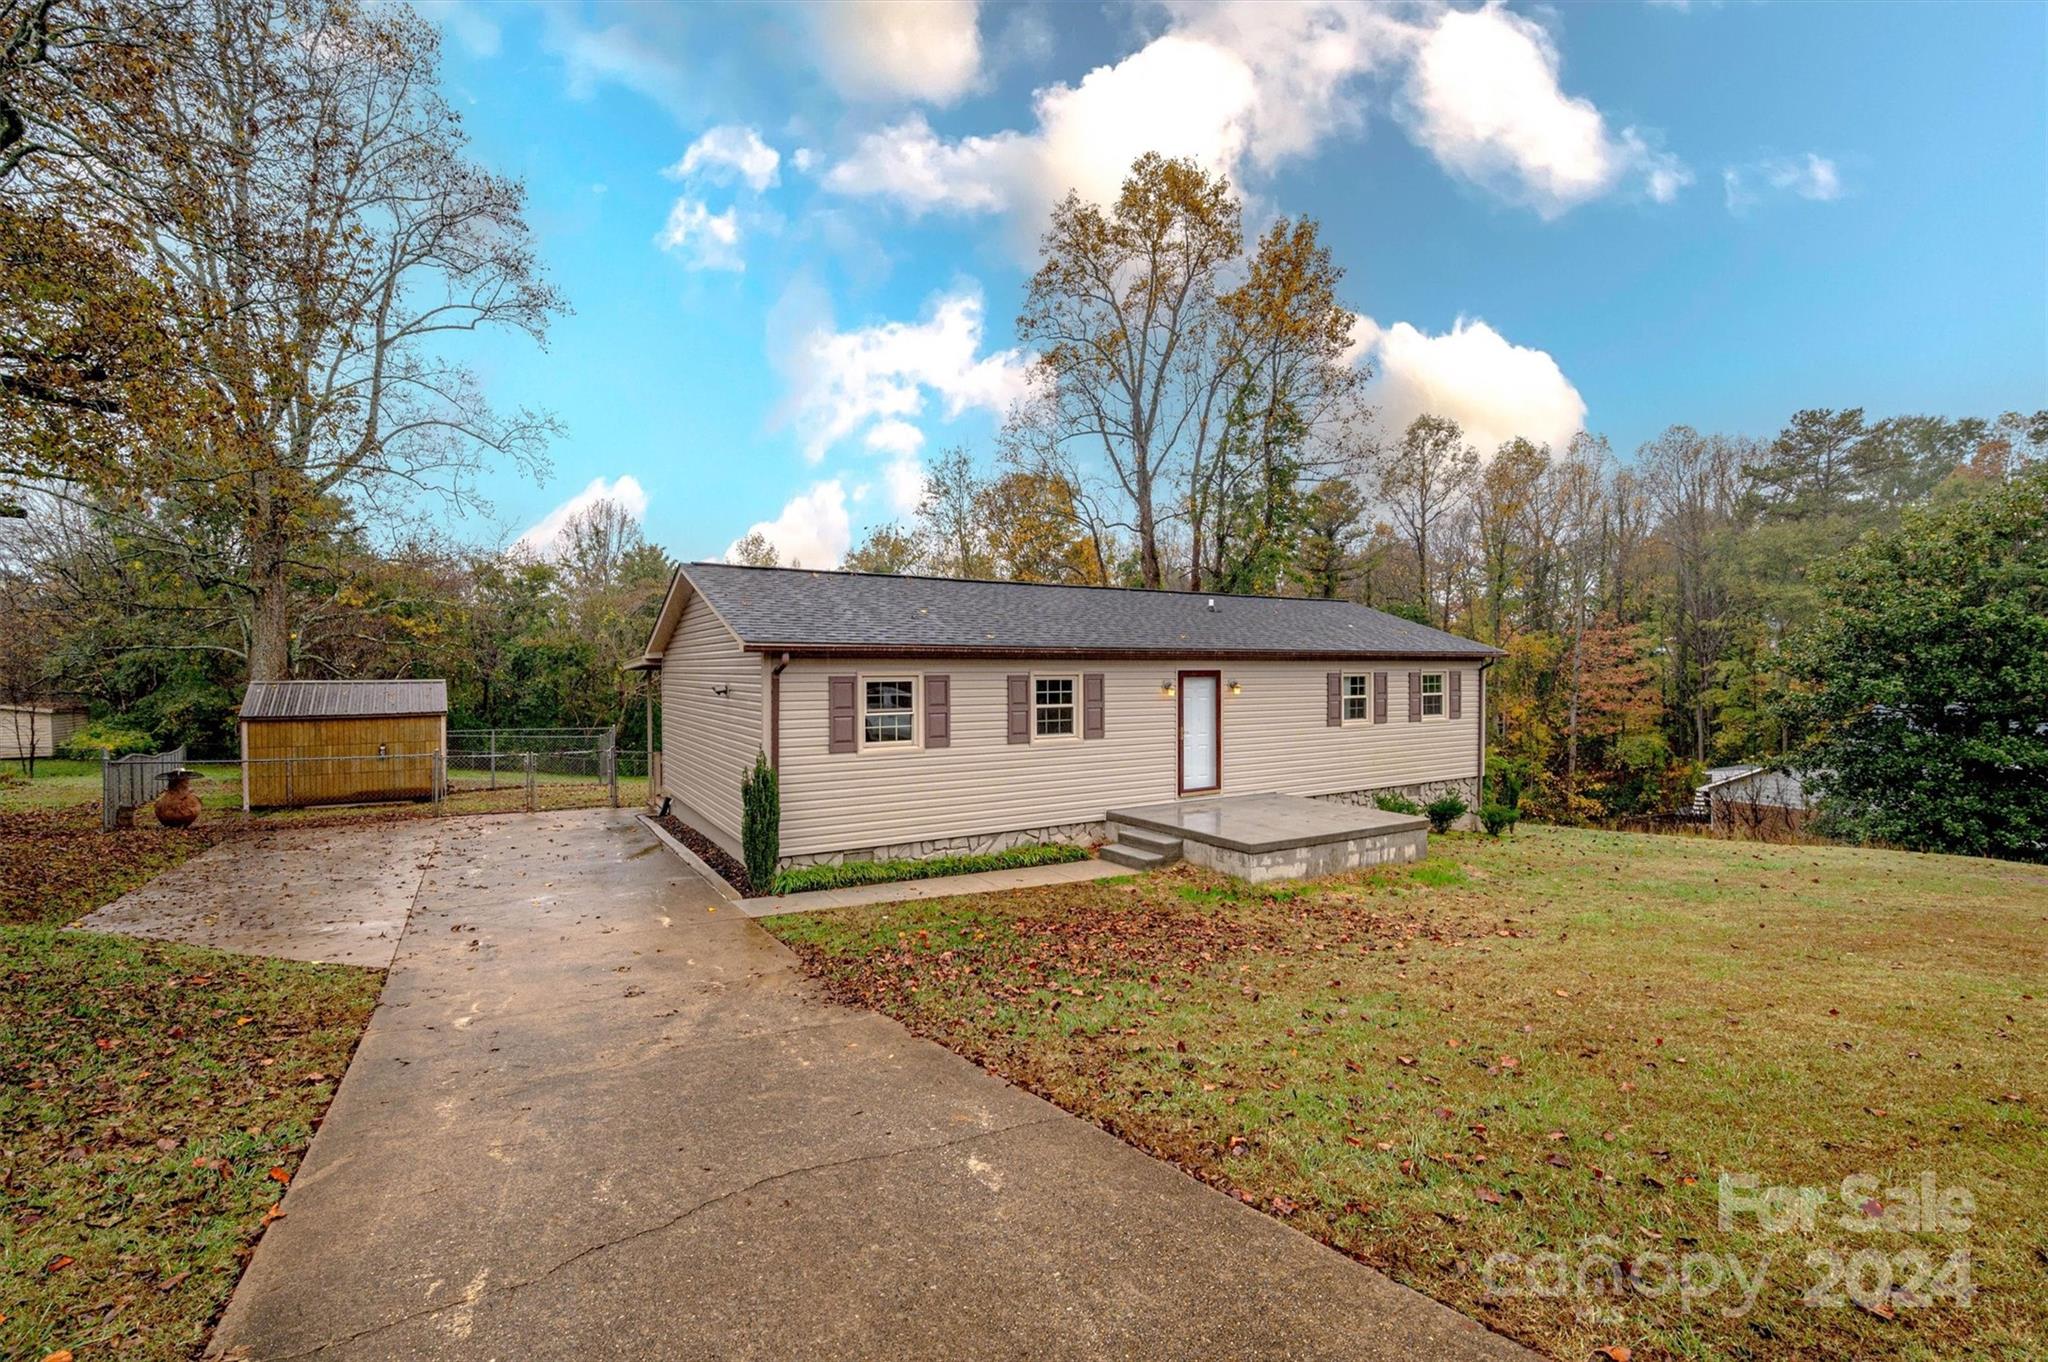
(1555, 1044)
(155, 1101)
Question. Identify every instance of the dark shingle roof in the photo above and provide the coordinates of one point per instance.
(343, 699)
(850, 612)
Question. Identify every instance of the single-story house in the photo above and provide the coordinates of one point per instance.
(342, 742)
(1754, 799)
(918, 716)
(38, 728)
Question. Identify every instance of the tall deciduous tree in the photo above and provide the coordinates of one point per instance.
(1421, 480)
(306, 209)
(1123, 313)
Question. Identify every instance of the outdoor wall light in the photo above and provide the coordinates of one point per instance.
(1236, 689)
(1166, 689)
(723, 692)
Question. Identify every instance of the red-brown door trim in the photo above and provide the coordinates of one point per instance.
(1180, 741)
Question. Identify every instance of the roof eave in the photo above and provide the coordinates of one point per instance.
(1476, 653)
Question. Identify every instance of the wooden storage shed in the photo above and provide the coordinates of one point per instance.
(342, 742)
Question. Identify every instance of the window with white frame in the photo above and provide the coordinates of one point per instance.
(1432, 695)
(888, 714)
(1357, 699)
(1052, 707)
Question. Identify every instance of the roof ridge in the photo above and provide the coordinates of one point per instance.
(1012, 581)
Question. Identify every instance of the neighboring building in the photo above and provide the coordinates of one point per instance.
(37, 729)
(915, 716)
(1753, 799)
(342, 742)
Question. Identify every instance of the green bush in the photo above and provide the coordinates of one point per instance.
(1394, 803)
(761, 823)
(105, 738)
(805, 877)
(1499, 818)
(1444, 811)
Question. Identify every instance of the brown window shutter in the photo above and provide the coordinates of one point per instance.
(1457, 700)
(1333, 709)
(1379, 697)
(938, 715)
(1020, 709)
(1091, 705)
(840, 705)
(1415, 697)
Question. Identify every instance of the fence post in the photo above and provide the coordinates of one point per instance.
(611, 764)
(107, 791)
(494, 759)
(531, 804)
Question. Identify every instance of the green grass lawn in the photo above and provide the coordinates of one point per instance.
(154, 1102)
(62, 784)
(1551, 1046)
(147, 1091)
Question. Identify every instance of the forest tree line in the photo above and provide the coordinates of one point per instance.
(237, 278)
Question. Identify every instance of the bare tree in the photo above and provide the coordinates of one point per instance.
(1123, 311)
(1420, 480)
(305, 207)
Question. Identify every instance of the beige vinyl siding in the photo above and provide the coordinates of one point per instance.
(1275, 738)
(708, 741)
(27, 730)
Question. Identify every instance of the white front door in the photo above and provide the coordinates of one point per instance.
(1201, 745)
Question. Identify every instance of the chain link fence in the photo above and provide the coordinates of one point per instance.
(483, 771)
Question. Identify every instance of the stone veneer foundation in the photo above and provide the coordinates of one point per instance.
(1071, 834)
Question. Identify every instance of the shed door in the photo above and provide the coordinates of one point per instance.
(1201, 737)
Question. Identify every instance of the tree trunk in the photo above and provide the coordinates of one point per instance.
(270, 625)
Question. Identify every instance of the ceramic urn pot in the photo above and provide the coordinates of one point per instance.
(177, 806)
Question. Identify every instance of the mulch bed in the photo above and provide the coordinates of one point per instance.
(729, 870)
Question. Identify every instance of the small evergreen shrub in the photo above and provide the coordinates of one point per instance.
(1499, 818)
(798, 879)
(105, 738)
(761, 823)
(1396, 803)
(1444, 811)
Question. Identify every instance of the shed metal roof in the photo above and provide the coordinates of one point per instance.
(794, 609)
(343, 699)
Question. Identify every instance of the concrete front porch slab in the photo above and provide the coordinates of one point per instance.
(1262, 837)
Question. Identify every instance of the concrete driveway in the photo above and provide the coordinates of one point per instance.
(336, 894)
(600, 1114)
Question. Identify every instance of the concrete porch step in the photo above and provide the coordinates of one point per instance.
(1165, 844)
(1136, 857)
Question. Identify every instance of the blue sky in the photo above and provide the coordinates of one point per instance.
(795, 239)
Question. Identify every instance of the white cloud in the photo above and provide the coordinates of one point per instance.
(889, 49)
(904, 478)
(1177, 95)
(1495, 390)
(1811, 176)
(634, 52)
(468, 24)
(704, 239)
(879, 376)
(894, 437)
(728, 150)
(812, 531)
(1483, 99)
(1254, 85)
(544, 535)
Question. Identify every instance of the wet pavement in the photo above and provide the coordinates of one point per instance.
(601, 1113)
(335, 894)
